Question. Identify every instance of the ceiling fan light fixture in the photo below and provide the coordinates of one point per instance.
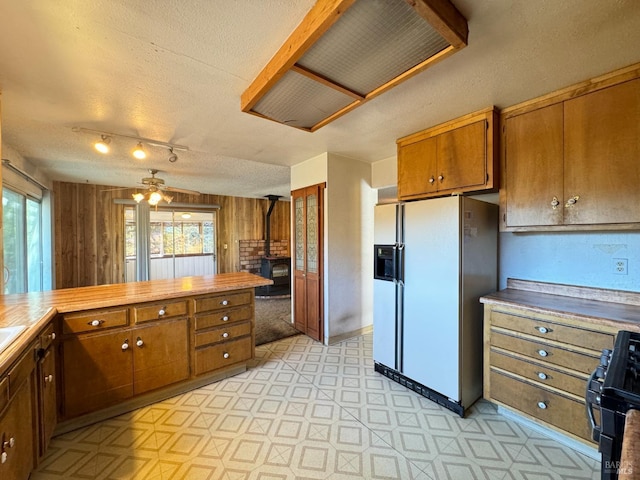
(103, 145)
(138, 197)
(139, 152)
(154, 198)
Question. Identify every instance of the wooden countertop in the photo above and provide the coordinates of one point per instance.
(617, 308)
(36, 309)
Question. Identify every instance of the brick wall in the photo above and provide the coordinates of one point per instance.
(251, 251)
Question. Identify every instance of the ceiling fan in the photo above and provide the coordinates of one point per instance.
(156, 190)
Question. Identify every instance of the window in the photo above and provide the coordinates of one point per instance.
(21, 217)
(180, 243)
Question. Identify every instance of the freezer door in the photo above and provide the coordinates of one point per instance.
(431, 341)
(385, 223)
(384, 323)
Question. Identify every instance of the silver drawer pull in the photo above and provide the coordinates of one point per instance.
(95, 323)
(162, 311)
(543, 329)
(542, 376)
(542, 405)
(225, 318)
(225, 335)
(226, 355)
(543, 353)
(224, 302)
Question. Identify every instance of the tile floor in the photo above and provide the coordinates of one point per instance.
(306, 411)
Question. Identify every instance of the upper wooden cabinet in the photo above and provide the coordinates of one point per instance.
(571, 160)
(455, 157)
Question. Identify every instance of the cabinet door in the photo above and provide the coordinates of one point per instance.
(47, 407)
(97, 371)
(160, 354)
(462, 157)
(16, 436)
(417, 168)
(534, 168)
(602, 152)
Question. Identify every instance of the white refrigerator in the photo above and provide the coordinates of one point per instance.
(433, 260)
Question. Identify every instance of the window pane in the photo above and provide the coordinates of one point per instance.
(14, 242)
(34, 246)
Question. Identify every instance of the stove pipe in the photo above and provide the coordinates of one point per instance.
(267, 243)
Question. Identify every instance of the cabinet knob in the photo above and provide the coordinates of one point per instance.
(555, 202)
(572, 201)
(224, 302)
(3, 457)
(543, 329)
(542, 376)
(431, 180)
(543, 353)
(95, 323)
(125, 345)
(9, 443)
(48, 378)
(225, 335)
(225, 355)
(52, 335)
(441, 177)
(542, 405)
(162, 311)
(139, 342)
(225, 318)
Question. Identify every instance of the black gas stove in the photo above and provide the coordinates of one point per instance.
(614, 389)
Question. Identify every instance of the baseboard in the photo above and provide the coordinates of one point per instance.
(346, 336)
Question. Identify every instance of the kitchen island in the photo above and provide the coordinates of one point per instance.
(77, 356)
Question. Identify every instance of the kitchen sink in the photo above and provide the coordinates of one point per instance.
(9, 334)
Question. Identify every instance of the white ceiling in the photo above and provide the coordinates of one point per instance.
(174, 70)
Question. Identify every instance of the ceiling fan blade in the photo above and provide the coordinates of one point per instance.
(180, 190)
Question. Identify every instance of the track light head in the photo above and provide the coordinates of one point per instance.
(172, 157)
(139, 152)
(103, 145)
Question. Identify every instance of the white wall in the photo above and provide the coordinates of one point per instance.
(384, 173)
(349, 231)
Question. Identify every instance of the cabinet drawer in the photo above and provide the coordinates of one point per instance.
(574, 360)
(539, 372)
(223, 317)
(47, 336)
(222, 334)
(554, 331)
(554, 409)
(217, 302)
(22, 369)
(223, 355)
(94, 320)
(157, 311)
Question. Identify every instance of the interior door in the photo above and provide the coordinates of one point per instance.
(308, 261)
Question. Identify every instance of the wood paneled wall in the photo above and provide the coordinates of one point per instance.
(89, 230)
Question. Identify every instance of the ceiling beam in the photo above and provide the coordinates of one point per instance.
(445, 18)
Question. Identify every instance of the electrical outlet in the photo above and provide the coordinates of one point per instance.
(620, 266)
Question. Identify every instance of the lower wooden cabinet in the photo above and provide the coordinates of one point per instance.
(103, 369)
(46, 399)
(17, 420)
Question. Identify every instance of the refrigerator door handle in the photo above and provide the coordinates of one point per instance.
(399, 266)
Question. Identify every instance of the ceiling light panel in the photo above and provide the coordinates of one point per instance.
(300, 102)
(346, 52)
(372, 43)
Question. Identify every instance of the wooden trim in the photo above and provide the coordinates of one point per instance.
(319, 19)
(443, 16)
(325, 81)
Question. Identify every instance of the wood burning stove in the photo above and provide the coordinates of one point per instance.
(276, 268)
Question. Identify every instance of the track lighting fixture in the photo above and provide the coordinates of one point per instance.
(103, 145)
(139, 152)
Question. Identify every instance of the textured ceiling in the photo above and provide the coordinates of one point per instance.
(174, 70)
